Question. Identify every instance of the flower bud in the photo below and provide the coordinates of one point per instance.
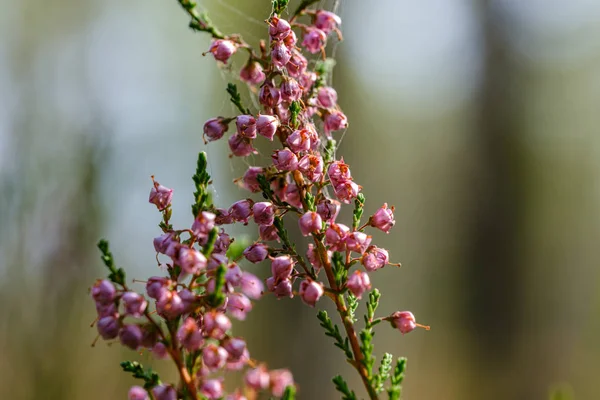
(280, 54)
(131, 336)
(108, 327)
(290, 90)
(165, 243)
(222, 49)
(307, 80)
(280, 379)
(104, 292)
(215, 260)
(164, 392)
(137, 393)
(383, 218)
(290, 41)
(238, 305)
(264, 213)
(309, 223)
(326, 21)
(269, 95)
(335, 121)
(251, 286)
(156, 285)
(203, 224)
(256, 253)
(328, 209)
(311, 167)
(222, 243)
(189, 335)
(267, 125)
(339, 172)
(358, 242)
(105, 310)
(191, 261)
(297, 64)
(280, 288)
(279, 28)
(241, 210)
(314, 40)
(252, 73)
(236, 348)
(311, 292)
(285, 160)
(212, 389)
(404, 321)
(170, 305)
(214, 357)
(258, 378)
(246, 126)
(222, 217)
(250, 178)
(346, 191)
(160, 196)
(268, 233)
(233, 275)
(160, 351)
(240, 146)
(215, 128)
(299, 140)
(375, 258)
(326, 97)
(358, 283)
(135, 304)
(335, 236)
(281, 267)
(216, 324)
(292, 195)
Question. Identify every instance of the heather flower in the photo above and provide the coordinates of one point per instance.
(105, 310)
(290, 40)
(283, 113)
(264, 213)
(269, 95)
(233, 275)
(326, 97)
(280, 379)
(404, 321)
(212, 389)
(297, 64)
(240, 146)
(311, 167)
(246, 126)
(222, 243)
(216, 324)
(191, 260)
(160, 196)
(307, 80)
(281, 267)
(203, 224)
(131, 336)
(311, 292)
(156, 285)
(222, 49)
(346, 191)
(241, 210)
(250, 178)
(159, 350)
(215, 128)
(375, 258)
(268, 233)
(108, 327)
(165, 243)
(279, 28)
(290, 90)
(281, 288)
(339, 172)
(292, 195)
(256, 253)
(299, 140)
(280, 54)
(137, 393)
(251, 286)
(188, 298)
(309, 223)
(235, 347)
(164, 392)
(135, 304)
(335, 236)
(236, 396)
(214, 357)
(313, 256)
(358, 242)
(252, 73)
(383, 218)
(327, 21)
(239, 364)
(258, 378)
(215, 260)
(335, 121)
(238, 305)
(358, 283)
(104, 292)
(222, 217)
(149, 336)
(314, 40)
(169, 305)
(328, 209)
(285, 160)
(266, 125)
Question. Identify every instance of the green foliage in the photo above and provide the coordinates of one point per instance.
(210, 243)
(383, 374)
(323, 69)
(366, 336)
(342, 387)
(279, 6)
(309, 199)
(236, 98)
(117, 275)
(149, 377)
(200, 22)
(283, 235)
(352, 306)
(333, 331)
(359, 203)
(339, 269)
(295, 110)
(217, 298)
(201, 179)
(398, 376)
(372, 305)
(237, 247)
(289, 394)
(329, 151)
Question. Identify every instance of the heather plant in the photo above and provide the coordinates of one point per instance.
(185, 312)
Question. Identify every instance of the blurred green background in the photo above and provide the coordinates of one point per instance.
(477, 120)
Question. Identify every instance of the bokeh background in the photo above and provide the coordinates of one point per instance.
(477, 120)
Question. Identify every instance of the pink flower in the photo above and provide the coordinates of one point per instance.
(246, 126)
(280, 379)
(256, 253)
(267, 125)
(297, 64)
(311, 292)
(268, 233)
(156, 285)
(280, 288)
(346, 191)
(339, 172)
(212, 389)
(203, 224)
(216, 324)
(241, 210)
(264, 213)
(280, 54)
(285, 160)
(108, 327)
(290, 90)
(279, 28)
(383, 218)
(258, 378)
(222, 49)
(328, 209)
(135, 304)
(191, 260)
(189, 335)
(314, 40)
(335, 121)
(240, 146)
(292, 195)
(233, 275)
(164, 392)
(326, 97)
(160, 196)
(215, 128)
(311, 167)
(250, 179)
(281, 267)
(299, 140)
(214, 357)
(104, 292)
(170, 305)
(222, 217)
(236, 347)
(335, 236)
(358, 241)
(222, 243)
(404, 321)
(252, 73)
(269, 95)
(327, 21)
(309, 223)
(131, 336)
(251, 286)
(137, 393)
(358, 283)
(313, 256)
(238, 305)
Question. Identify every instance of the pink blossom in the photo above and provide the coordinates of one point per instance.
(358, 283)
(383, 218)
(311, 292)
(252, 73)
(215, 128)
(314, 40)
(222, 49)
(285, 160)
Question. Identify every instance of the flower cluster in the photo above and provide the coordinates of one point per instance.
(204, 285)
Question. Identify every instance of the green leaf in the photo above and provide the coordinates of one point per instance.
(217, 297)
(236, 98)
(333, 331)
(383, 374)
(359, 203)
(339, 269)
(149, 377)
(237, 247)
(397, 377)
(116, 275)
(366, 348)
(289, 394)
(352, 306)
(372, 305)
(201, 179)
(295, 110)
(342, 387)
(207, 249)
